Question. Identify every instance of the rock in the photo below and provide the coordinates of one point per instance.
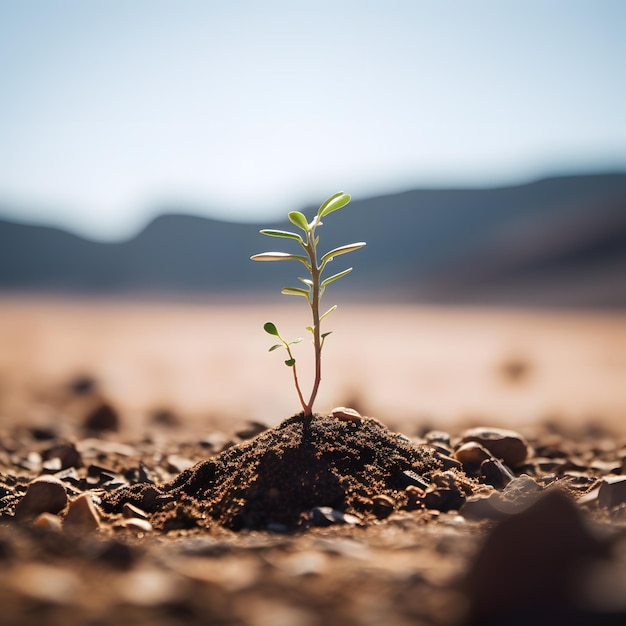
(45, 494)
(496, 473)
(82, 515)
(103, 418)
(383, 506)
(507, 445)
(83, 384)
(130, 511)
(252, 430)
(326, 516)
(410, 478)
(176, 464)
(438, 437)
(346, 414)
(472, 454)
(518, 495)
(48, 521)
(165, 418)
(612, 491)
(135, 524)
(66, 453)
(531, 565)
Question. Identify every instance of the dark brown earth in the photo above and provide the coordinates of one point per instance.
(316, 521)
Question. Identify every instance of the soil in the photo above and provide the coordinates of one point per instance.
(314, 521)
(304, 521)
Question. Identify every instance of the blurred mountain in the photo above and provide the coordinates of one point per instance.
(556, 242)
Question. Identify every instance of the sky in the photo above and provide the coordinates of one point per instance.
(113, 110)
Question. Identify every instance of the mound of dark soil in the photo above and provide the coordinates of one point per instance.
(277, 478)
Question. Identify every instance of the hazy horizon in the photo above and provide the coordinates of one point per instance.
(242, 111)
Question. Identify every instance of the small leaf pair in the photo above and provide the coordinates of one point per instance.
(314, 287)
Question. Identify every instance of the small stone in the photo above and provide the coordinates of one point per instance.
(326, 516)
(166, 418)
(438, 437)
(66, 454)
(83, 384)
(45, 494)
(252, 430)
(136, 524)
(471, 454)
(82, 515)
(131, 511)
(346, 414)
(103, 418)
(48, 521)
(383, 506)
(410, 478)
(496, 473)
(612, 491)
(177, 464)
(532, 563)
(507, 445)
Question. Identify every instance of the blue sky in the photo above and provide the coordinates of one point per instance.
(242, 110)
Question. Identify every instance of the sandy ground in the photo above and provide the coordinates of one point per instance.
(541, 542)
(407, 365)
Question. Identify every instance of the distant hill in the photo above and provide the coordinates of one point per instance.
(556, 242)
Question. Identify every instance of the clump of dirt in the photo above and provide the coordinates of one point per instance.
(275, 479)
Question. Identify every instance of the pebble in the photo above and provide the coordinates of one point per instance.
(130, 511)
(65, 453)
(410, 478)
(45, 494)
(472, 453)
(496, 473)
(533, 562)
(103, 418)
(326, 516)
(507, 445)
(135, 524)
(176, 463)
(251, 430)
(612, 491)
(438, 437)
(48, 521)
(82, 515)
(346, 414)
(383, 506)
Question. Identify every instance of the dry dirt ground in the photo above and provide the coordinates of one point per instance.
(151, 472)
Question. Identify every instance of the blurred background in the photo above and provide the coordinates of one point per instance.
(143, 144)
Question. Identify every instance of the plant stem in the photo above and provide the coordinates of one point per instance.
(315, 310)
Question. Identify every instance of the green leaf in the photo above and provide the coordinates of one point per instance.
(332, 308)
(324, 335)
(275, 347)
(290, 362)
(334, 277)
(298, 340)
(333, 203)
(281, 256)
(295, 291)
(306, 281)
(284, 234)
(270, 329)
(341, 250)
(297, 218)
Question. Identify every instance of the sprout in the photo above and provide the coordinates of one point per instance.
(314, 287)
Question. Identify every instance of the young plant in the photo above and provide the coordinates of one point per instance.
(314, 286)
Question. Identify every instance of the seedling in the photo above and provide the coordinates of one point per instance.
(314, 286)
